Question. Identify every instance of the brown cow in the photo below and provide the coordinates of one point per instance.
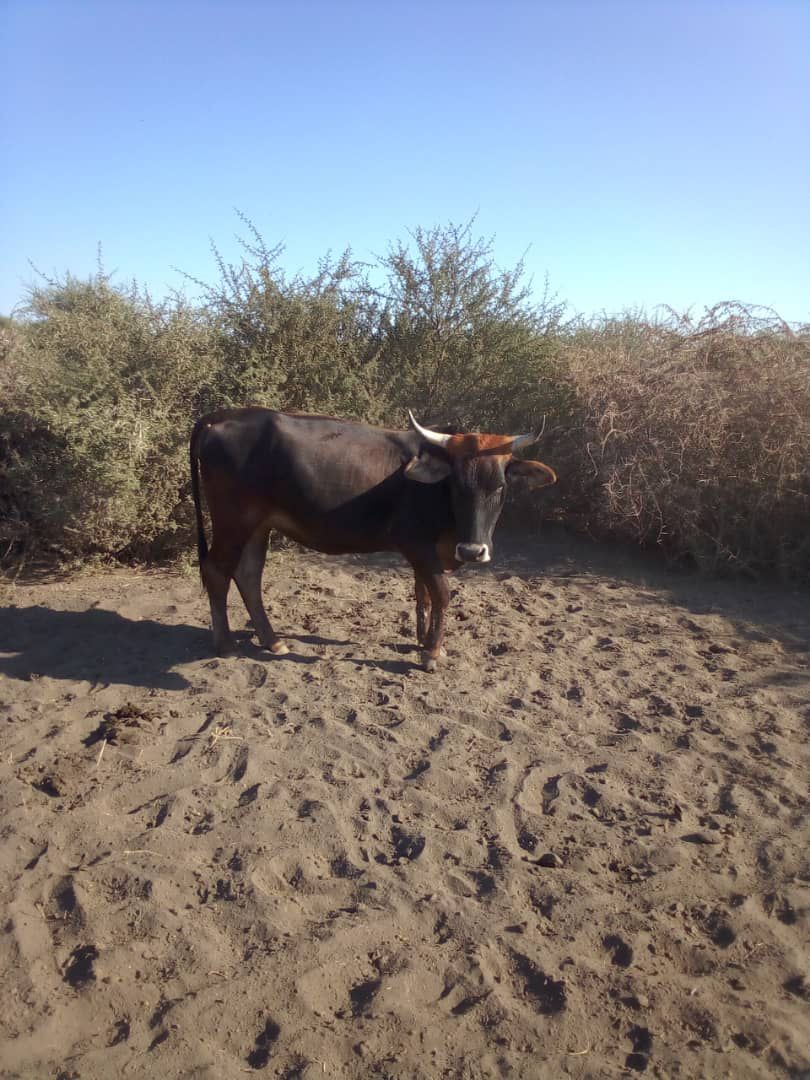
(343, 487)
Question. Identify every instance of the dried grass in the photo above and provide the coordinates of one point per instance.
(692, 435)
(696, 437)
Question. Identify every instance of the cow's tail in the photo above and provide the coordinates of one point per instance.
(194, 461)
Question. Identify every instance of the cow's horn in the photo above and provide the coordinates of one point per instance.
(528, 440)
(438, 438)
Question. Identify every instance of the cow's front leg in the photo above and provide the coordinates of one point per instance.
(423, 607)
(439, 592)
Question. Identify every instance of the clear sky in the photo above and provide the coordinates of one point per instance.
(639, 153)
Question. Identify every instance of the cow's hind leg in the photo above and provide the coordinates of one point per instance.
(248, 578)
(216, 571)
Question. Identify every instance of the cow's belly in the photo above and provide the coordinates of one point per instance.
(320, 537)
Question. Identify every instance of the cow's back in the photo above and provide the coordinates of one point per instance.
(331, 484)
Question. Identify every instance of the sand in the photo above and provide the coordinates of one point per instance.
(581, 848)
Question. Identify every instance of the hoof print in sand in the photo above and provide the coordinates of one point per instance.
(406, 845)
(700, 838)
(781, 907)
(249, 795)
(621, 954)
(120, 1033)
(79, 970)
(550, 860)
(259, 1056)
(362, 995)
(256, 676)
(442, 929)
(468, 1003)
(419, 768)
(498, 856)
(719, 930)
(308, 808)
(485, 883)
(204, 825)
(641, 1040)
(527, 840)
(240, 764)
(295, 1068)
(494, 774)
(797, 986)
(342, 867)
(551, 791)
(65, 900)
(50, 786)
(436, 740)
(549, 995)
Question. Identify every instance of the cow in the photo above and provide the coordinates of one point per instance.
(343, 487)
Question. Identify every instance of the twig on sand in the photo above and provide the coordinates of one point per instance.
(578, 1053)
(221, 731)
(101, 752)
(753, 949)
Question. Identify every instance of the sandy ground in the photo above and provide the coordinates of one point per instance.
(580, 849)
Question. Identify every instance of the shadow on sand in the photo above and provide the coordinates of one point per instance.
(757, 610)
(101, 647)
(392, 667)
(97, 646)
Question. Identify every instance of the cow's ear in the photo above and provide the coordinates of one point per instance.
(537, 474)
(427, 469)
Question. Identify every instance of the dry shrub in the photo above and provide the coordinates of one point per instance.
(306, 344)
(462, 340)
(691, 436)
(93, 432)
(696, 436)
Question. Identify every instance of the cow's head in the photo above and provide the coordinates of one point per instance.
(480, 467)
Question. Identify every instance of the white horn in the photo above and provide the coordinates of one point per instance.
(435, 437)
(528, 440)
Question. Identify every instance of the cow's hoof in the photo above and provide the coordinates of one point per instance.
(278, 648)
(428, 661)
(224, 648)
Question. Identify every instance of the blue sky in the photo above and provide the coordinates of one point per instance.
(638, 153)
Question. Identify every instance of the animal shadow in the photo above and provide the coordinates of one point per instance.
(97, 646)
(393, 667)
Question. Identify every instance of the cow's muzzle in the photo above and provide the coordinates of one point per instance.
(472, 552)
